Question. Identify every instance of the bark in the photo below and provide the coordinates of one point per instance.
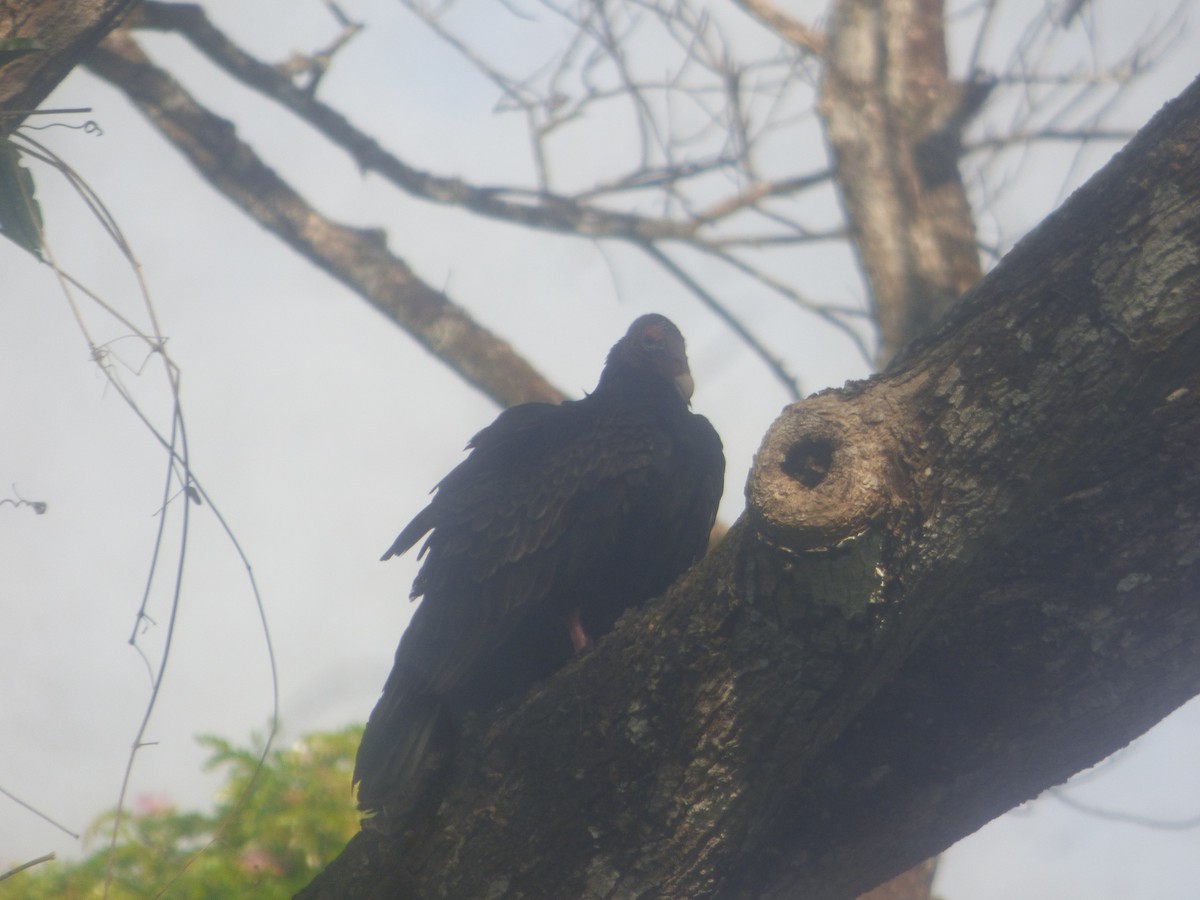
(916, 882)
(955, 585)
(66, 30)
(893, 119)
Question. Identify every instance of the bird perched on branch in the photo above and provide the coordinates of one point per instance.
(561, 518)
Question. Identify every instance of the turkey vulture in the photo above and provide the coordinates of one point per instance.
(561, 518)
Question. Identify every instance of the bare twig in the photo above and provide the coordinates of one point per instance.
(702, 119)
(352, 255)
(791, 30)
(313, 66)
(1189, 824)
(774, 363)
(37, 812)
(178, 471)
(1071, 136)
(358, 258)
(555, 213)
(28, 865)
(1063, 95)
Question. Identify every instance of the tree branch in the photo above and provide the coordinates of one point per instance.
(791, 30)
(358, 258)
(550, 212)
(537, 209)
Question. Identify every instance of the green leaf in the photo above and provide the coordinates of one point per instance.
(20, 215)
(266, 844)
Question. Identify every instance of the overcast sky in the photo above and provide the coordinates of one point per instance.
(318, 428)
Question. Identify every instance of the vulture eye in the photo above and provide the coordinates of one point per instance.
(653, 341)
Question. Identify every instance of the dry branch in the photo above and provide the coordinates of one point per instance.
(546, 211)
(791, 30)
(579, 214)
(358, 258)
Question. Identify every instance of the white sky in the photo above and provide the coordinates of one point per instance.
(318, 428)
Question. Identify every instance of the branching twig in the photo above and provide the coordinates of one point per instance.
(360, 259)
(27, 865)
(702, 118)
(1189, 824)
(773, 362)
(37, 812)
(1071, 135)
(802, 36)
(555, 213)
(572, 214)
(178, 469)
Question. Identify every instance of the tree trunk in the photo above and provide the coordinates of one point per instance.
(894, 119)
(64, 30)
(955, 585)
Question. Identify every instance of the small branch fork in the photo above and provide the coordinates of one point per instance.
(719, 224)
(707, 173)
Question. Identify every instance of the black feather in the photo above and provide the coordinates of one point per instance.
(589, 507)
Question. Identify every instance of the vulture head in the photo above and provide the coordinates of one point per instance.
(652, 346)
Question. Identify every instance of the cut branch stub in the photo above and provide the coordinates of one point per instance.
(824, 472)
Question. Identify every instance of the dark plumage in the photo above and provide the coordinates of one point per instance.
(561, 518)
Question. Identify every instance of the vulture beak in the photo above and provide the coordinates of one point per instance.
(685, 385)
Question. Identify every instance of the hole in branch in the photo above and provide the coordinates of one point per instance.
(808, 461)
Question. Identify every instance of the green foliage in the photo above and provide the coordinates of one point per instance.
(297, 819)
(20, 214)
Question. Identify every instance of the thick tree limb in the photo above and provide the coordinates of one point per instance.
(358, 258)
(955, 585)
(65, 30)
